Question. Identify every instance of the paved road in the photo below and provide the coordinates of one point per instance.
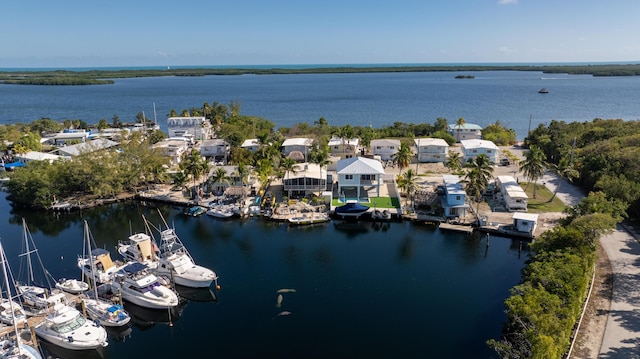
(622, 332)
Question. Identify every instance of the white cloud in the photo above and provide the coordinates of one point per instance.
(507, 2)
(506, 50)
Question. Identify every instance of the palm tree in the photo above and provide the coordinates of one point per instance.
(219, 176)
(459, 123)
(454, 162)
(196, 165)
(564, 170)
(477, 178)
(403, 156)
(533, 166)
(321, 158)
(407, 182)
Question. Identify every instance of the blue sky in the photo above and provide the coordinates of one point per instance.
(66, 33)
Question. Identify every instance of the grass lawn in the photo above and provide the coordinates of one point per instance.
(541, 203)
(375, 202)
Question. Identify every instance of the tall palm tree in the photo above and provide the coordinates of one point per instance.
(477, 178)
(454, 162)
(403, 156)
(220, 176)
(321, 158)
(407, 182)
(533, 166)
(196, 165)
(459, 123)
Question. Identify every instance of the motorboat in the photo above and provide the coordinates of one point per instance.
(66, 327)
(72, 286)
(221, 211)
(97, 265)
(543, 90)
(309, 218)
(195, 211)
(13, 346)
(105, 312)
(171, 260)
(351, 209)
(378, 215)
(138, 285)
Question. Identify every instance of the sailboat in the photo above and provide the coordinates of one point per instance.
(107, 314)
(38, 290)
(14, 347)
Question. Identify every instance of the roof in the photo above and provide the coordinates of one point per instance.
(466, 126)
(533, 217)
(297, 141)
(87, 147)
(421, 142)
(470, 144)
(337, 141)
(37, 156)
(250, 142)
(307, 170)
(384, 142)
(359, 165)
(214, 142)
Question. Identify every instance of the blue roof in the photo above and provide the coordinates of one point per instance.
(135, 267)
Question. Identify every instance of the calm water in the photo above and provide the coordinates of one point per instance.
(376, 99)
(362, 290)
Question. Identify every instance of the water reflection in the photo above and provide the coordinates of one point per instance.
(145, 318)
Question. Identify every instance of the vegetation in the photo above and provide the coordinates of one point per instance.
(67, 77)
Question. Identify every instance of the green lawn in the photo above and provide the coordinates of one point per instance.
(374, 202)
(541, 203)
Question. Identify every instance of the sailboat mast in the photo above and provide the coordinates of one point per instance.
(6, 282)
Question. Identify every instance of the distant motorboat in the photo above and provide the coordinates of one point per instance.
(351, 209)
(306, 218)
(543, 90)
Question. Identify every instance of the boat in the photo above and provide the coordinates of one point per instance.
(97, 265)
(309, 218)
(378, 215)
(13, 347)
(108, 314)
(543, 90)
(221, 211)
(171, 259)
(72, 286)
(194, 211)
(38, 290)
(138, 285)
(351, 209)
(66, 327)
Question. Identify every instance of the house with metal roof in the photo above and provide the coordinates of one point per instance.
(514, 197)
(85, 147)
(466, 131)
(304, 179)
(385, 148)
(356, 174)
(344, 147)
(454, 200)
(473, 148)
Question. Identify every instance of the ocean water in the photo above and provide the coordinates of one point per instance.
(363, 290)
(372, 99)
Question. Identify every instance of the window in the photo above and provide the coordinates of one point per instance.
(367, 177)
(474, 151)
(458, 198)
(348, 177)
(488, 151)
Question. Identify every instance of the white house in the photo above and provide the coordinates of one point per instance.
(473, 148)
(385, 148)
(197, 128)
(356, 173)
(305, 178)
(431, 149)
(525, 223)
(251, 144)
(68, 136)
(298, 144)
(515, 199)
(216, 148)
(454, 200)
(172, 149)
(343, 147)
(466, 131)
(36, 156)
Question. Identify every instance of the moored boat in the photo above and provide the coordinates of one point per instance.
(309, 218)
(351, 209)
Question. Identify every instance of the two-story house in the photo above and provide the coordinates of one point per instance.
(197, 128)
(357, 175)
(473, 148)
(466, 131)
(216, 149)
(431, 149)
(297, 148)
(454, 201)
(385, 148)
(343, 147)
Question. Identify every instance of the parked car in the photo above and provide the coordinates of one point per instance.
(505, 162)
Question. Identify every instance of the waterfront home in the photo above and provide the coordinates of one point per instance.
(431, 149)
(306, 178)
(473, 148)
(466, 131)
(217, 149)
(385, 148)
(357, 175)
(297, 148)
(35, 156)
(454, 199)
(514, 197)
(197, 128)
(232, 180)
(174, 149)
(251, 144)
(85, 147)
(343, 147)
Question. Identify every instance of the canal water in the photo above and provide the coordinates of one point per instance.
(362, 289)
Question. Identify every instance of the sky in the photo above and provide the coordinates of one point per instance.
(80, 33)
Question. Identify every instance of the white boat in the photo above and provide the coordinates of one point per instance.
(171, 260)
(309, 218)
(106, 313)
(138, 285)
(38, 289)
(221, 211)
(96, 264)
(72, 286)
(66, 327)
(14, 347)
(11, 311)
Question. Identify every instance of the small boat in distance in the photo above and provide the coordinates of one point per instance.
(543, 90)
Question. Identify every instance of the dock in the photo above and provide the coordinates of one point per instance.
(456, 227)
